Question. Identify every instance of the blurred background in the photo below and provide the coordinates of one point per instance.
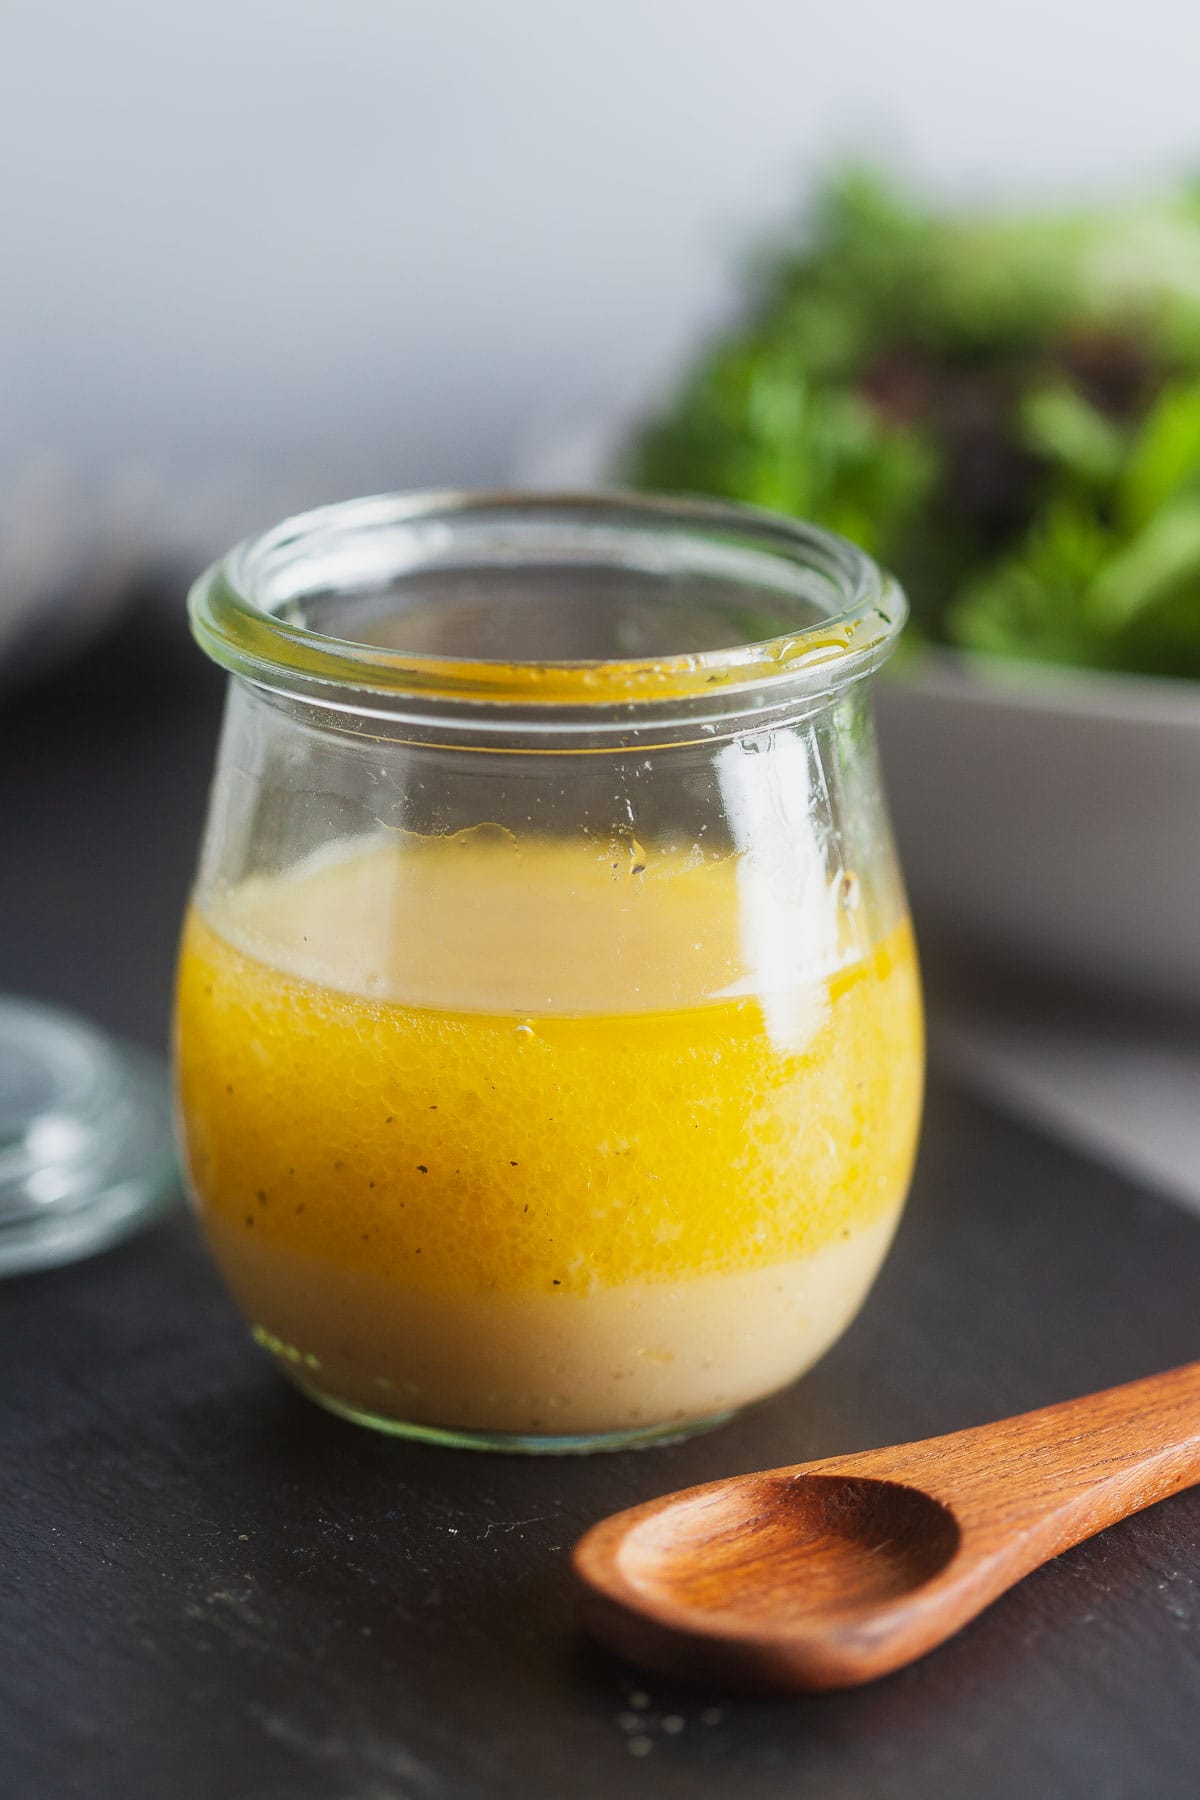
(262, 255)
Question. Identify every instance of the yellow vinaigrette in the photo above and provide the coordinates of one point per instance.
(517, 1080)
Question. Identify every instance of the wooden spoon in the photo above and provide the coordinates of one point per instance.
(831, 1573)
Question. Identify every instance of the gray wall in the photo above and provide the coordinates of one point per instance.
(263, 252)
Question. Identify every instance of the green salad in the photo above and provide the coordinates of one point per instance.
(1004, 409)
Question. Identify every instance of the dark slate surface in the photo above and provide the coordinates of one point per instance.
(209, 1589)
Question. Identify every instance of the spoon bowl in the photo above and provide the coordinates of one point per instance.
(836, 1544)
(829, 1574)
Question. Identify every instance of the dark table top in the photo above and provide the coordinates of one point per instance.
(210, 1589)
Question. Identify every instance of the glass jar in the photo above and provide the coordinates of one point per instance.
(548, 1033)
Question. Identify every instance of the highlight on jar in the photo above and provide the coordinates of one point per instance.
(548, 1038)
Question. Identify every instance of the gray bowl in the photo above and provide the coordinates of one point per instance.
(1050, 816)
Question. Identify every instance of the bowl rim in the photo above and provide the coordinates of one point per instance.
(1018, 683)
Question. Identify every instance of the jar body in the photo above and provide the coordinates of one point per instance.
(569, 1132)
(540, 1098)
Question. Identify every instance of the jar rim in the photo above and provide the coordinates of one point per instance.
(244, 626)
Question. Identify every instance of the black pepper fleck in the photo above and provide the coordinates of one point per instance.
(421, 1169)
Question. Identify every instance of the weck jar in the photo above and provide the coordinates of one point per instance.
(548, 1038)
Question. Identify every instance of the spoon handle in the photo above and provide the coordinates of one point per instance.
(1024, 1489)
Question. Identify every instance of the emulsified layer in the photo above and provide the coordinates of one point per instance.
(615, 1359)
(394, 1188)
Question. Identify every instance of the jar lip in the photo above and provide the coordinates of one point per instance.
(259, 643)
